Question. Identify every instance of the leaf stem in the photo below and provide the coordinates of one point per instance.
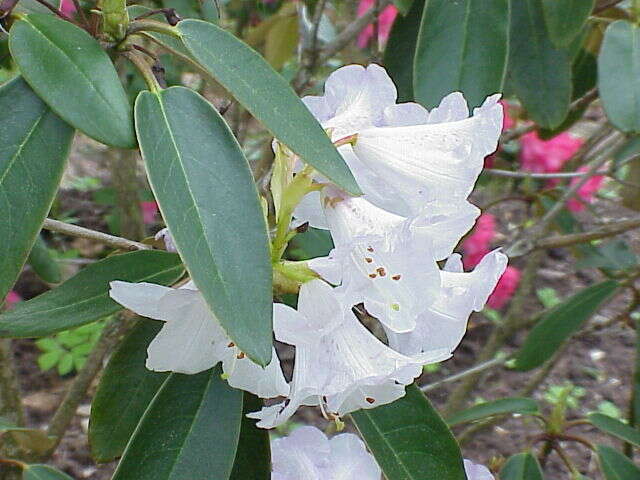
(145, 70)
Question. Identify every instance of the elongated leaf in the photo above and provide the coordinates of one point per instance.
(126, 389)
(560, 323)
(34, 144)
(43, 472)
(266, 95)
(565, 19)
(619, 64)
(43, 263)
(496, 407)
(615, 465)
(84, 298)
(69, 70)
(616, 428)
(462, 46)
(410, 440)
(522, 466)
(400, 50)
(538, 72)
(208, 199)
(253, 457)
(190, 430)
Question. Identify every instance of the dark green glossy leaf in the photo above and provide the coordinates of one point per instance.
(126, 389)
(616, 428)
(267, 95)
(462, 46)
(618, 66)
(310, 244)
(207, 197)
(496, 407)
(565, 19)
(400, 50)
(559, 323)
(522, 466)
(43, 472)
(253, 457)
(189, 431)
(615, 465)
(538, 72)
(409, 440)
(43, 263)
(69, 70)
(84, 298)
(34, 144)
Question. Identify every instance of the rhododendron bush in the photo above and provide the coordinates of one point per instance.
(350, 206)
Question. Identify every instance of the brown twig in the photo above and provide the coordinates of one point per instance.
(81, 232)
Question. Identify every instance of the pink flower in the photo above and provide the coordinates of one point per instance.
(385, 21)
(67, 7)
(505, 288)
(547, 156)
(585, 192)
(149, 212)
(11, 299)
(476, 245)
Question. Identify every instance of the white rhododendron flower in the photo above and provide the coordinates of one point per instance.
(165, 236)
(308, 454)
(339, 364)
(476, 471)
(403, 156)
(192, 340)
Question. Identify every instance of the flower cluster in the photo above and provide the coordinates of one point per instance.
(392, 267)
(308, 453)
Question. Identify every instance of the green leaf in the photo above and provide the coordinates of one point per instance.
(615, 465)
(496, 407)
(263, 92)
(207, 197)
(522, 466)
(69, 70)
(49, 360)
(400, 50)
(565, 19)
(34, 144)
(84, 298)
(538, 72)
(410, 440)
(125, 391)
(65, 365)
(462, 46)
(43, 263)
(190, 430)
(253, 457)
(560, 323)
(43, 472)
(619, 75)
(404, 6)
(616, 428)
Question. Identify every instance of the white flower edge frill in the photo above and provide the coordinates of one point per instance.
(308, 454)
(192, 340)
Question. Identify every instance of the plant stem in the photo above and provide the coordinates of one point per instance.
(81, 232)
(123, 168)
(145, 70)
(476, 369)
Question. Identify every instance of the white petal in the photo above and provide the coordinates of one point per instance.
(242, 373)
(165, 235)
(429, 162)
(476, 471)
(318, 107)
(327, 267)
(452, 108)
(304, 454)
(141, 298)
(442, 326)
(186, 345)
(310, 210)
(349, 460)
(404, 114)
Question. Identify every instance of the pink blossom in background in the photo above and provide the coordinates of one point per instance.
(11, 299)
(547, 156)
(385, 21)
(585, 192)
(505, 288)
(476, 245)
(67, 7)
(149, 212)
